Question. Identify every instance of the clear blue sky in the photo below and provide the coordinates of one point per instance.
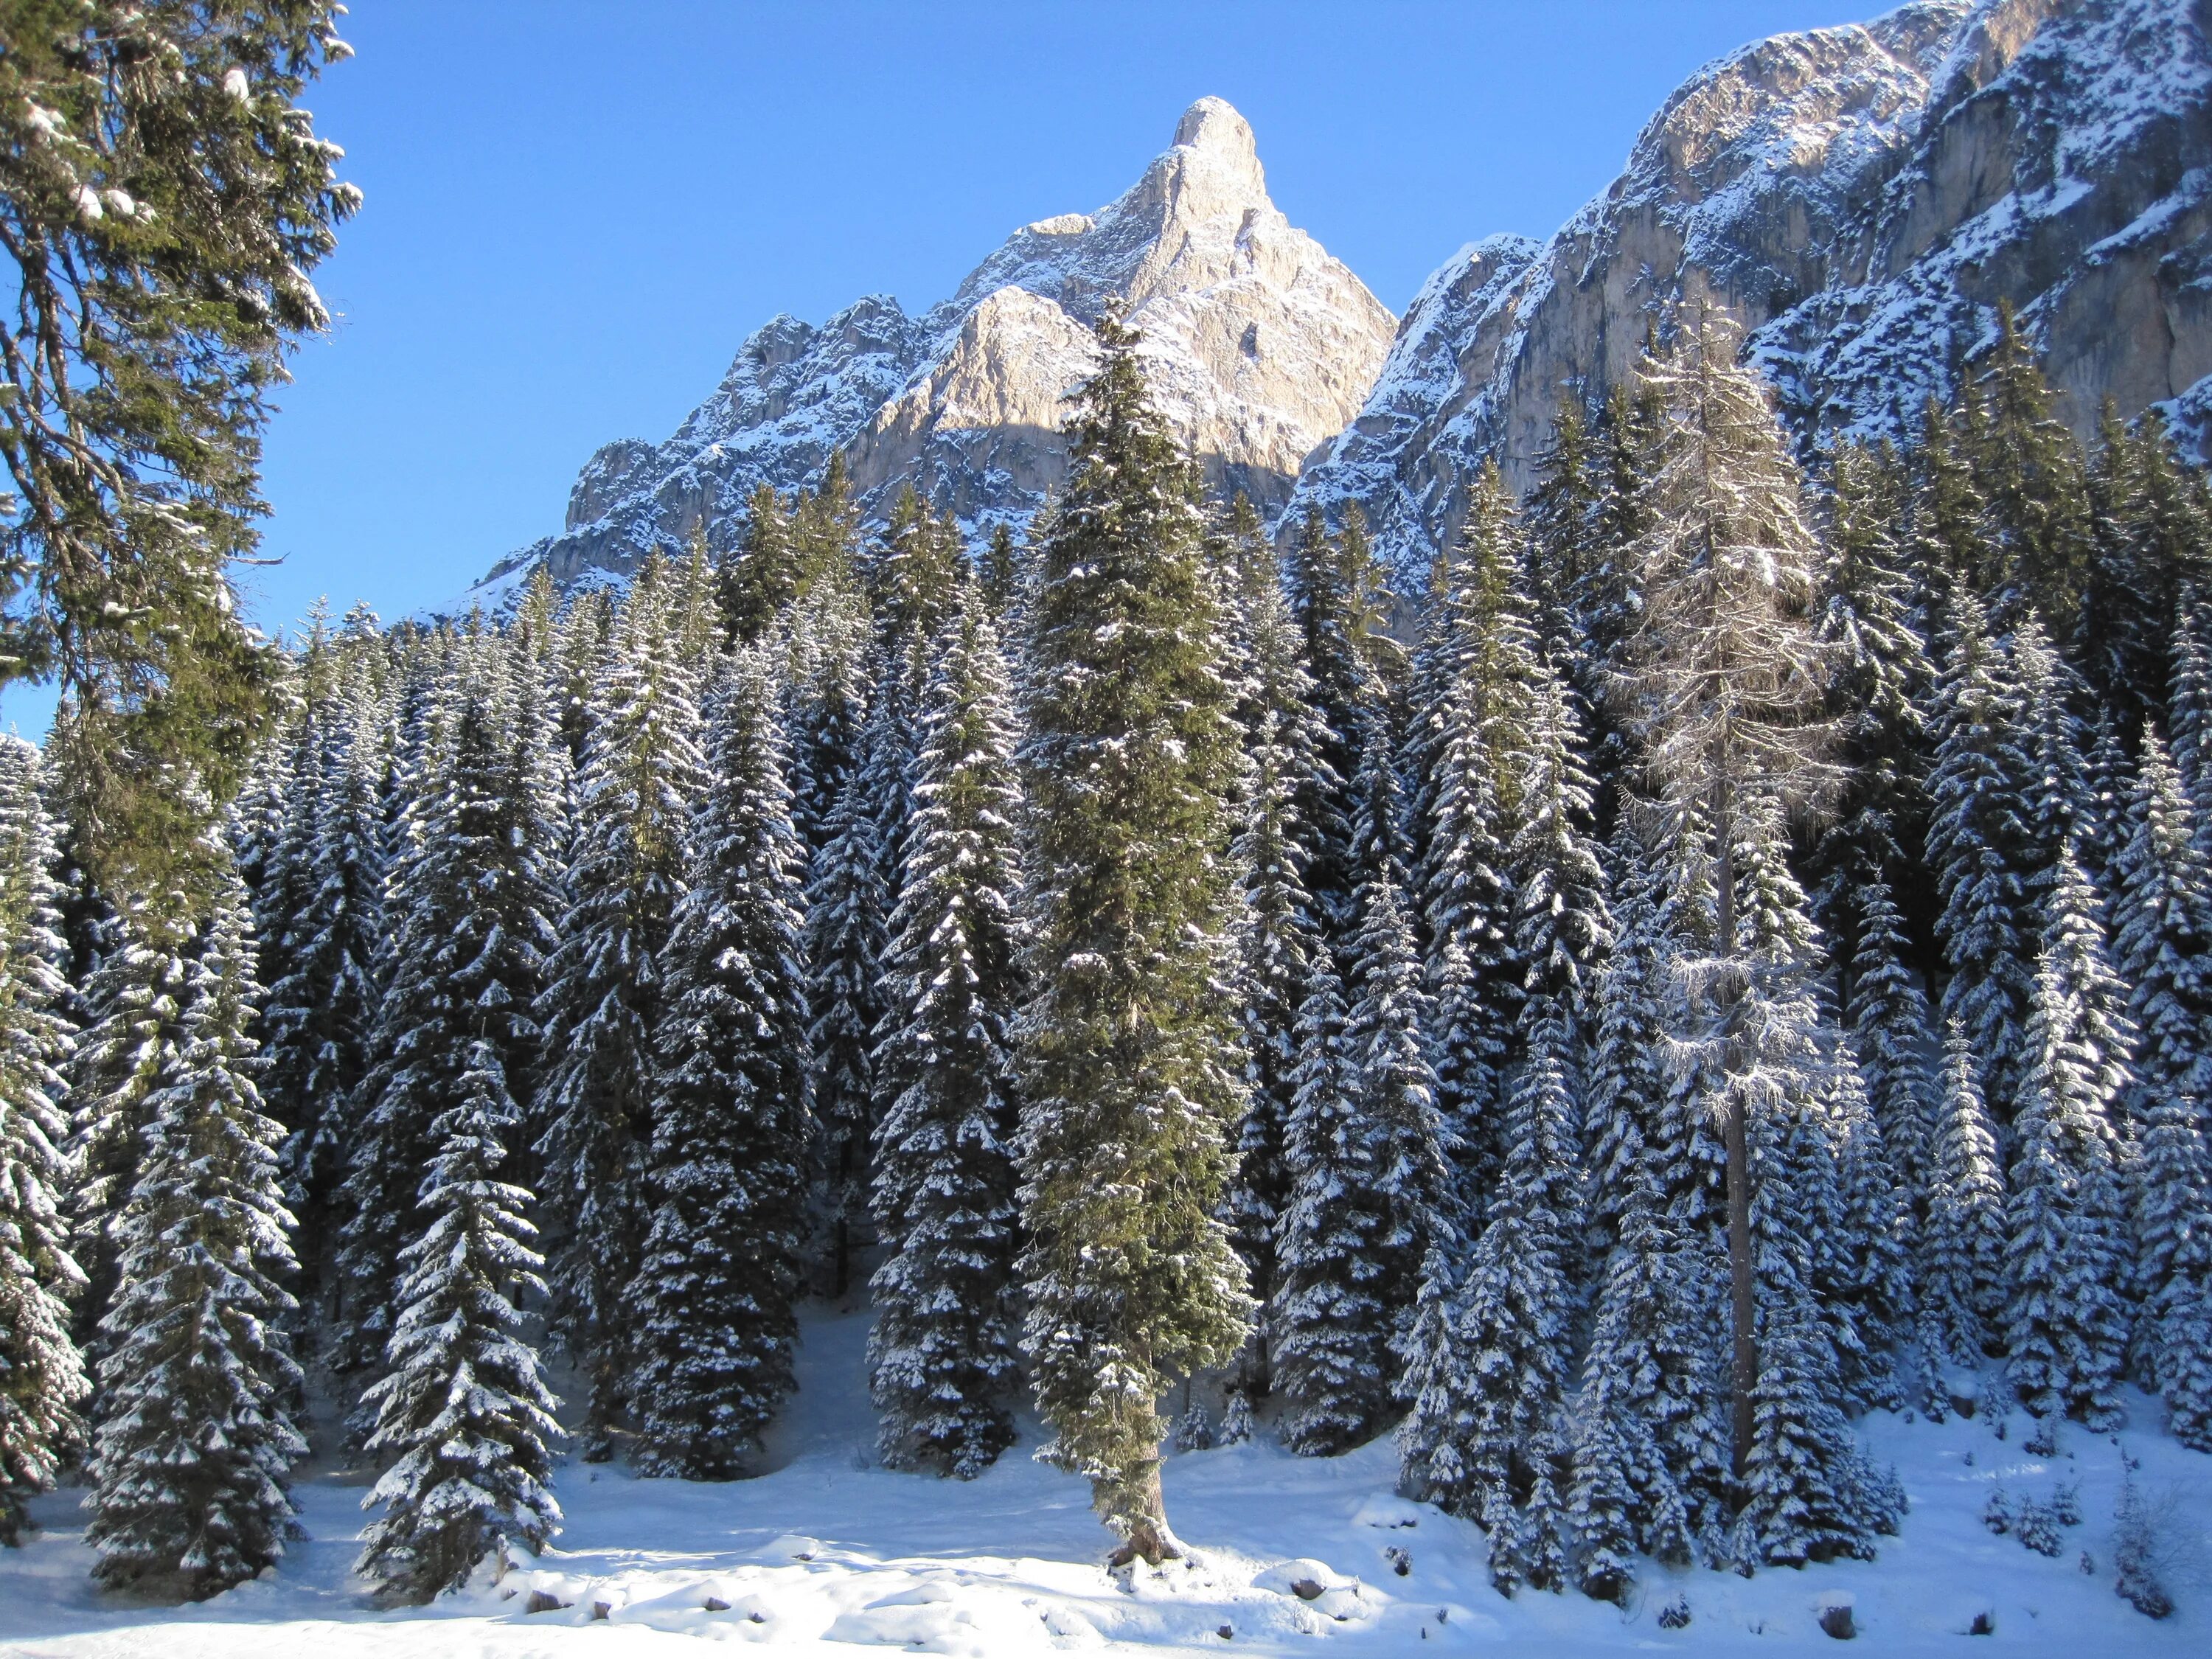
(577, 209)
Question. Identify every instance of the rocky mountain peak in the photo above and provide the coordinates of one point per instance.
(1260, 345)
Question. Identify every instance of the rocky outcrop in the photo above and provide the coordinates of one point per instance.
(1861, 198)
(1259, 347)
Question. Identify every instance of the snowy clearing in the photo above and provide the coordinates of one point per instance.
(828, 1552)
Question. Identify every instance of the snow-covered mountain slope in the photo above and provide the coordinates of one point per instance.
(828, 1552)
(1862, 198)
(1260, 347)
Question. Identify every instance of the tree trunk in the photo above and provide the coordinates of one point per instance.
(1743, 1360)
(1138, 1511)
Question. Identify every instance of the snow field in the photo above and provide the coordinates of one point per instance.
(829, 1554)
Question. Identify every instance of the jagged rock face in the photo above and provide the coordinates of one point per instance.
(1861, 198)
(1259, 346)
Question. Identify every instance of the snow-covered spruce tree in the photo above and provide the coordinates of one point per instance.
(1808, 1493)
(2163, 941)
(1863, 1271)
(1519, 1296)
(711, 1326)
(1889, 1021)
(1727, 686)
(942, 1352)
(195, 1439)
(1471, 803)
(1624, 1074)
(847, 904)
(134, 1005)
(320, 1013)
(1279, 933)
(2066, 1326)
(1980, 840)
(42, 1379)
(1328, 614)
(463, 1414)
(2029, 467)
(1963, 1278)
(466, 908)
(603, 993)
(2189, 711)
(1329, 1323)
(1129, 1050)
(760, 576)
(1562, 510)
(828, 672)
(1881, 675)
(2060, 802)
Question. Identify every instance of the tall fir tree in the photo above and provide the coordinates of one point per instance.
(711, 1306)
(2031, 474)
(42, 1377)
(196, 1441)
(463, 1413)
(1128, 1052)
(942, 1354)
(759, 578)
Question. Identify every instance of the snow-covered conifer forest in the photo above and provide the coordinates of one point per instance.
(1121, 1079)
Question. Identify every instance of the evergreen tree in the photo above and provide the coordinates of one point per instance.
(846, 907)
(463, 1412)
(42, 1379)
(1127, 1051)
(829, 674)
(1562, 511)
(756, 581)
(2029, 470)
(711, 1306)
(1280, 935)
(1965, 1276)
(1001, 572)
(2189, 717)
(603, 995)
(320, 1012)
(2067, 1323)
(1889, 1022)
(1329, 615)
(1881, 674)
(196, 1440)
(1979, 839)
(942, 1352)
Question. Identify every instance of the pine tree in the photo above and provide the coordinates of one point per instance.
(1001, 572)
(1562, 511)
(1127, 1052)
(1889, 1021)
(1728, 679)
(2066, 1326)
(195, 1439)
(1327, 614)
(1964, 1277)
(829, 675)
(603, 993)
(42, 1379)
(942, 1352)
(463, 1413)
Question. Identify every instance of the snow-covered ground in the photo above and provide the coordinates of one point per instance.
(828, 1552)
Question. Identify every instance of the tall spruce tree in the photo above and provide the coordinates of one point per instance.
(463, 1412)
(1128, 1052)
(42, 1377)
(1964, 1277)
(196, 1440)
(2066, 1326)
(711, 1306)
(942, 1354)
(603, 993)
(2030, 470)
